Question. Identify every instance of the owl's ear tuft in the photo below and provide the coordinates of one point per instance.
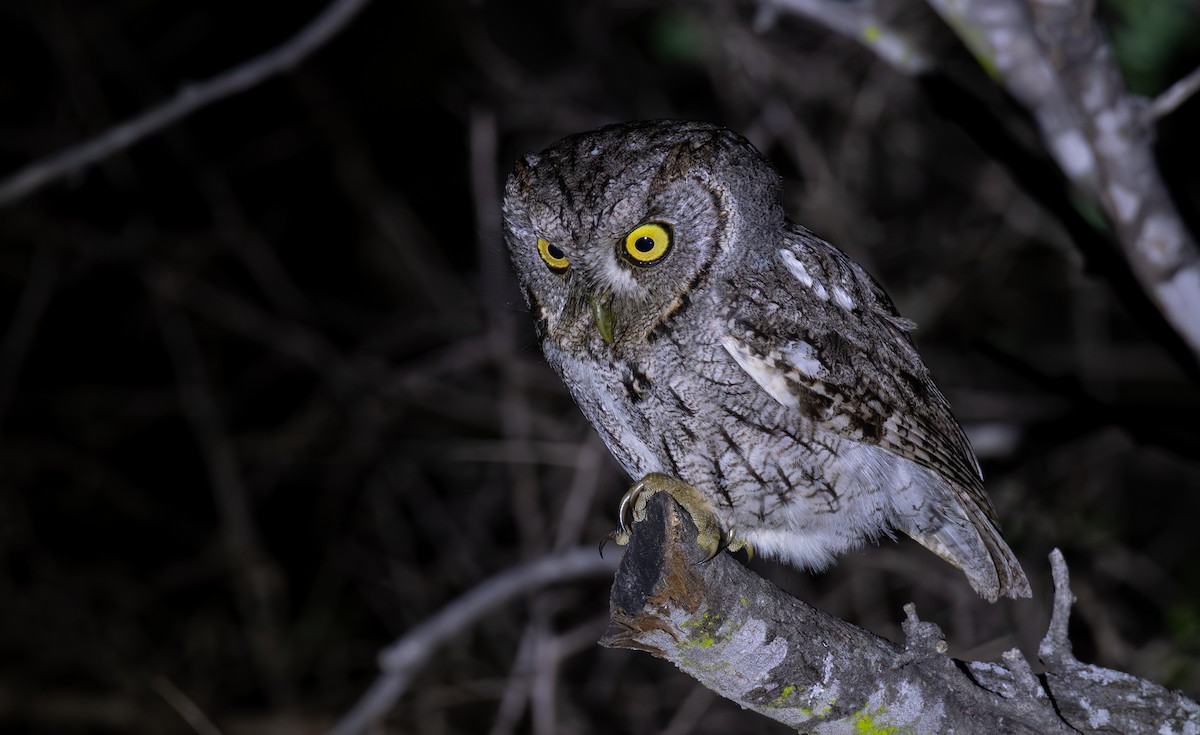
(680, 161)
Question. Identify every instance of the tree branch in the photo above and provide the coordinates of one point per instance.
(1170, 100)
(1052, 57)
(190, 98)
(864, 21)
(401, 661)
(750, 642)
(1104, 700)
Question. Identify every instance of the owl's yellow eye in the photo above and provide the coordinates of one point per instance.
(647, 244)
(552, 255)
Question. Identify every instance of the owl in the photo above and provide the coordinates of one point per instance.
(709, 339)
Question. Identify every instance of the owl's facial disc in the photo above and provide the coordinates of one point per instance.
(642, 247)
(605, 280)
(600, 302)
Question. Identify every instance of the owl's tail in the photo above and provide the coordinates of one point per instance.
(966, 536)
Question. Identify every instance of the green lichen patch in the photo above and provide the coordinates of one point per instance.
(865, 723)
(705, 629)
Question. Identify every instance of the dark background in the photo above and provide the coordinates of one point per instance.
(268, 398)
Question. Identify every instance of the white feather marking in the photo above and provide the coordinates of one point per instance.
(820, 291)
(843, 298)
(623, 440)
(795, 267)
(618, 280)
(800, 356)
(764, 372)
(812, 549)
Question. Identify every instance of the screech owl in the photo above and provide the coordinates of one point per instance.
(707, 337)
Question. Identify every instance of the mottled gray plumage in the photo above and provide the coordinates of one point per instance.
(748, 357)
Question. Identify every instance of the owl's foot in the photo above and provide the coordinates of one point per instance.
(709, 534)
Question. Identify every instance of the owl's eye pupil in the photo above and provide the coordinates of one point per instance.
(647, 244)
(552, 256)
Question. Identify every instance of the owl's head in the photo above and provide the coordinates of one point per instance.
(613, 231)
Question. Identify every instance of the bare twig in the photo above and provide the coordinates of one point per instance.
(1095, 699)
(1176, 95)
(543, 685)
(43, 275)
(183, 704)
(516, 414)
(256, 577)
(404, 242)
(689, 713)
(239, 315)
(517, 687)
(532, 679)
(190, 98)
(1056, 646)
(591, 463)
(862, 21)
(401, 661)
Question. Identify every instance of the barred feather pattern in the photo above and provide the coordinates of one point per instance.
(752, 360)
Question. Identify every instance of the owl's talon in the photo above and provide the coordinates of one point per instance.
(727, 538)
(627, 507)
(611, 536)
(709, 535)
(730, 542)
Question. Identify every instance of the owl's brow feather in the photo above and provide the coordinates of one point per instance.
(684, 160)
(700, 277)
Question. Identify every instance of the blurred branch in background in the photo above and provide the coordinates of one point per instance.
(1167, 102)
(1052, 57)
(269, 400)
(402, 660)
(866, 21)
(257, 579)
(189, 99)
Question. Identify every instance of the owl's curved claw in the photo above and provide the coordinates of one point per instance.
(709, 534)
(727, 541)
(731, 542)
(629, 511)
(727, 538)
(611, 536)
(626, 508)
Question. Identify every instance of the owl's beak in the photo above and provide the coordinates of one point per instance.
(602, 313)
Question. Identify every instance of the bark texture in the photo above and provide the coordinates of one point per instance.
(750, 642)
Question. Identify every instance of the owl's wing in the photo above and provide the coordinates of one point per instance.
(831, 344)
(833, 347)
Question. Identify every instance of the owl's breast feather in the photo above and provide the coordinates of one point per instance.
(599, 390)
